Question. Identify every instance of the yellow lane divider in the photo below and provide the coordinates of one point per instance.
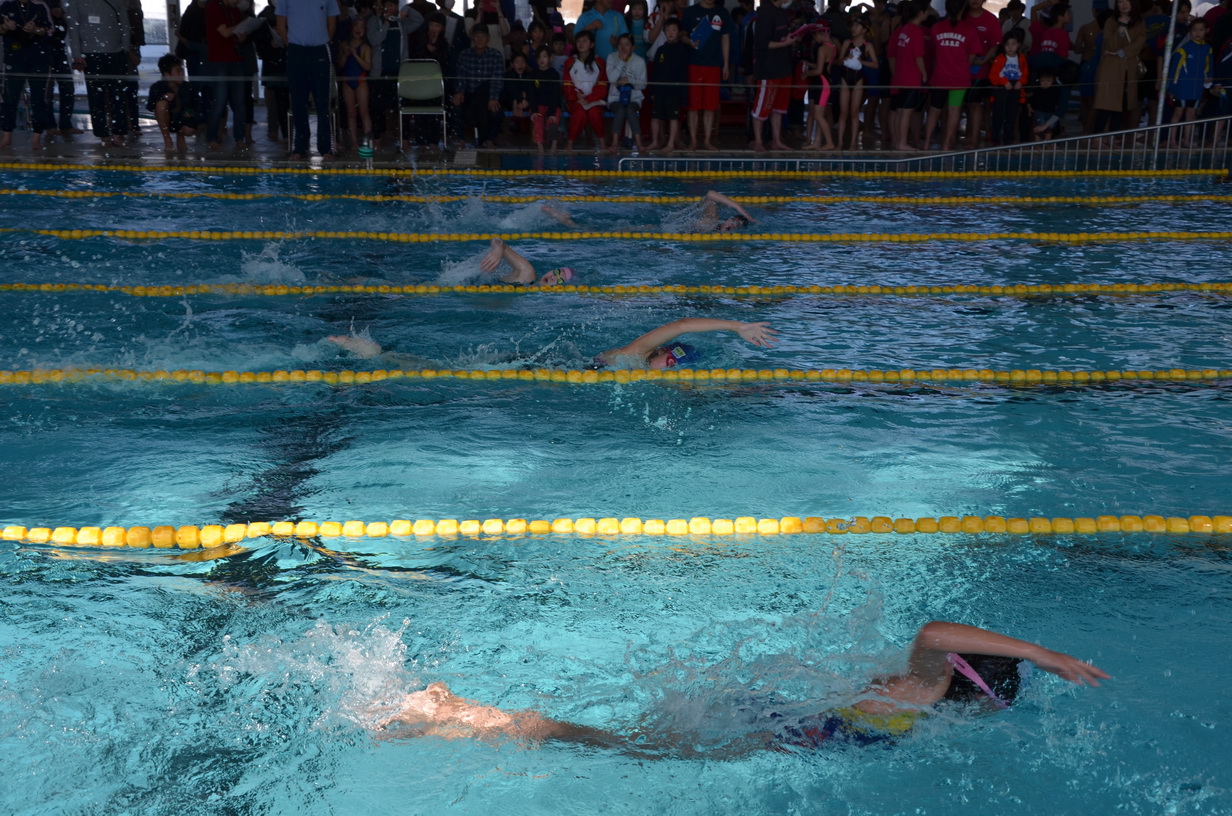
(724, 237)
(576, 377)
(274, 290)
(640, 199)
(658, 174)
(191, 537)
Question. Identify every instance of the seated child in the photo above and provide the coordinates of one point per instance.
(1045, 103)
(175, 103)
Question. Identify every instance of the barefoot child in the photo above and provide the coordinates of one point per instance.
(354, 63)
(671, 77)
(175, 103)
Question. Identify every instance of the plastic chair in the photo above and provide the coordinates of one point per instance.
(419, 82)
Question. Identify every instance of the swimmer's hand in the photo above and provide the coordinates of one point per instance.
(1069, 668)
(492, 259)
(759, 334)
(359, 346)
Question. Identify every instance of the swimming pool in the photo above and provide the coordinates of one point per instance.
(165, 681)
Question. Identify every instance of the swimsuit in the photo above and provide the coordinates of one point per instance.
(354, 72)
(845, 726)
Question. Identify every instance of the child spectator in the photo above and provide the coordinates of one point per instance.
(545, 100)
(856, 54)
(515, 95)
(987, 31)
(773, 62)
(908, 73)
(1045, 105)
(956, 48)
(175, 103)
(818, 73)
(1008, 76)
(560, 55)
(1190, 74)
(626, 77)
(585, 87)
(671, 77)
(354, 63)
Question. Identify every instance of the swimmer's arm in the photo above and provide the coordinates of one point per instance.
(936, 639)
(714, 198)
(359, 346)
(558, 214)
(759, 334)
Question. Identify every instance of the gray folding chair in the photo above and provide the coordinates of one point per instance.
(419, 82)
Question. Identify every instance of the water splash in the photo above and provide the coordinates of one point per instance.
(267, 266)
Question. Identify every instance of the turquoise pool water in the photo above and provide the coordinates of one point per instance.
(147, 682)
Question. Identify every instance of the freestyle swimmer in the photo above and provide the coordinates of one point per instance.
(948, 661)
(707, 221)
(521, 271)
(656, 348)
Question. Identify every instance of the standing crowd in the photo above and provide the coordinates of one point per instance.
(899, 76)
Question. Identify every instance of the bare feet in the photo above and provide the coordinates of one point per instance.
(6, 141)
(779, 146)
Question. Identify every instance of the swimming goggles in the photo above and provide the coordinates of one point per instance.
(964, 668)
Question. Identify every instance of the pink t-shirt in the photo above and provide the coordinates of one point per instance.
(907, 46)
(988, 34)
(1051, 41)
(955, 45)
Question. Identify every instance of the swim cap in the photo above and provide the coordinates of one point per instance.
(559, 275)
(679, 354)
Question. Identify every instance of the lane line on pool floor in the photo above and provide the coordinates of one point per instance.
(820, 174)
(707, 237)
(1017, 377)
(192, 537)
(637, 199)
(1218, 288)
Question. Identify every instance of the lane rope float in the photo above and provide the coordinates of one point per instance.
(279, 290)
(1017, 201)
(709, 237)
(657, 174)
(192, 537)
(1031, 376)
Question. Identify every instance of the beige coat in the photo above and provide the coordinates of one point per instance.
(1118, 76)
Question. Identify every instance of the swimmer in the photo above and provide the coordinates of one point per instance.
(948, 661)
(707, 221)
(654, 349)
(521, 271)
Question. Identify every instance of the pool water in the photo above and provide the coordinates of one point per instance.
(140, 681)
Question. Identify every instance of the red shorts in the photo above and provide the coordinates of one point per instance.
(772, 96)
(704, 87)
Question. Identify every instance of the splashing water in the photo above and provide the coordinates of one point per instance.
(267, 267)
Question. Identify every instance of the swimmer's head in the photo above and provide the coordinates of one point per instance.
(1003, 675)
(734, 223)
(556, 277)
(673, 355)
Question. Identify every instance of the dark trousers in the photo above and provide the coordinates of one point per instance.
(1005, 116)
(61, 80)
(106, 89)
(277, 106)
(310, 72)
(229, 84)
(382, 98)
(477, 115)
(19, 73)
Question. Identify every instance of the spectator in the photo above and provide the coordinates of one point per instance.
(354, 63)
(821, 66)
(98, 35)
(62, 76)
(605, 25)
(226, 69)
(987, 32)
(491, 14)
(1116, 83)
(516, 89)
(175, 103)
(708, 28)
(536, 38)
(431, 43)
(1087, 44)
(307, 26)
(1190, 73)
(773, 62)
(626, 77)
(560, 53)
(671, 76)
(480, 73)
(955, 47)
(1045, 105)
(455, 28)
(273, 53)
(585, 89)
(636, 20)
(857, 54)
(389, 34)
(908, 73)
(26, 25)
(1016, 18)
(1009, 75)
(545, 99)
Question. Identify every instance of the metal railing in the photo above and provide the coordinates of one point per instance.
(1205, 144)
